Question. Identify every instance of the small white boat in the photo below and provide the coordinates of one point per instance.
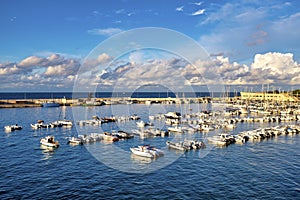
(109, 137)
(74, 140)
(12, 127)
(239, 139)
(229, 126)
(67, 123)
(186, 145)
(140, 124)
(175, 129)
(141, 152)
(55, 124)
(173, 115)
(157, 152)
(122, 135)
(194, 144)
(206, 127)
(38, 125)
(217, 141)
(135, 117)
(49, 142)
(177, 145)
(146, 151)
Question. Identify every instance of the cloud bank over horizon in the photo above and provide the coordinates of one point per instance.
(58, 73)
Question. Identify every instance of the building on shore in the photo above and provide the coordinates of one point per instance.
(267, 96)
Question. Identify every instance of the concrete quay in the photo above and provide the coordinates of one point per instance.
(20, 103)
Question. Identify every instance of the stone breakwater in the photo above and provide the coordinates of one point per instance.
(19, 103)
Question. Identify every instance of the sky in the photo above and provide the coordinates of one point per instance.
(47, 45)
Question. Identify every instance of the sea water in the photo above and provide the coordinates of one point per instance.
(268, 169)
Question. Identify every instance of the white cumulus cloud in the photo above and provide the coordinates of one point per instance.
(104, 58)
(32, 61)
(57, 71)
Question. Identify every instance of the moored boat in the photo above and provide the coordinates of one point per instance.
(177, 145)
(122, 135)
(186, 145)
(64, 122)
(38, 125)
(49, 141)
(140, 124)
(109, 137)
(74, 140)
(147, 151)
(12, 127)
(175, 129)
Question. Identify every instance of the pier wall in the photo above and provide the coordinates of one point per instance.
(13, 103)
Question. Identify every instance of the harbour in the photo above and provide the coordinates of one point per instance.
(212, 172)
(146, 100)
(98, 99)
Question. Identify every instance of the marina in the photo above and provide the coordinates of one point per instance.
(170, 100)
(205, 139)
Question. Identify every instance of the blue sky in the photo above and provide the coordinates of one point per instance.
(68, 30)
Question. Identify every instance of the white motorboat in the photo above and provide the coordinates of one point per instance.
(140, 124)
(206, 127)
(177, 145)
(141, 152)
(239, 139)
(67, 123)
(146, 151)
(12, 127)
(35, 126)
(175, 129)
(222, 139)
(186, 145)
(229, 126)
(56, 124)
(194, 144)
(174, 115)
(49, 142)
(38, 125)
(74, 140)
(217, 141)
(109, 137)
(122, 135)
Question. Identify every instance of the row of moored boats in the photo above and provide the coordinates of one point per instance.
(225, 139)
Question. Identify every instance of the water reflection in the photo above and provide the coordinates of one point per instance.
(48, 152)
(140, 160)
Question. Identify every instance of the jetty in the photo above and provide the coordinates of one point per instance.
(246, 98)
(22, 103)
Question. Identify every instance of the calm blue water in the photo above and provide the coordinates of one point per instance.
(261, 170)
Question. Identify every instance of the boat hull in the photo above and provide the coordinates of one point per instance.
(49, 144)
(138, 152)
(75, 141)
(176, 146)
